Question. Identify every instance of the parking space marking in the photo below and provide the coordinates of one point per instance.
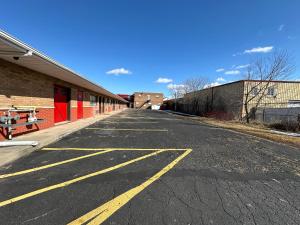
(103, 212)
(115, 149)
(66, 183)
(53, 164)
(112, 129)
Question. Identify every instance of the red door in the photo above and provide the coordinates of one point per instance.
(60, 104)
(79, 105)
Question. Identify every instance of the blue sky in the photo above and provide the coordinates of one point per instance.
(139, 41)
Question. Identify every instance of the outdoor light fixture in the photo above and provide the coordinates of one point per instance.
(28, 53)
(16, 55)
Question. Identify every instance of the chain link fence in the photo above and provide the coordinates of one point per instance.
(280, 116)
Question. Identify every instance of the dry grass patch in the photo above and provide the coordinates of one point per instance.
(258, 130)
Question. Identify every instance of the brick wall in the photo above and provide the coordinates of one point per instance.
(224, 102)
(73, 114)
(24, 87)
(141, 97)
(228, 100)
(284, 91)
(42, 113)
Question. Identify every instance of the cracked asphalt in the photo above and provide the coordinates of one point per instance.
(228, 178)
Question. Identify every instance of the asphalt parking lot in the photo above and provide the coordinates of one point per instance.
(150, 167)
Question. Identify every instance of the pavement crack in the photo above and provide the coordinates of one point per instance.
(222, 203)
(37, 217)
(184, 202)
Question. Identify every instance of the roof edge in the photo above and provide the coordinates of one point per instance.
(18, 43)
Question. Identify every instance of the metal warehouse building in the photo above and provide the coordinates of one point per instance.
(38, 93)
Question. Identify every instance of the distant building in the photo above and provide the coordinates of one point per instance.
(147, 100)
(228, 100)
(128, 98)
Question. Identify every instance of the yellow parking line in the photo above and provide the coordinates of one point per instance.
(114, 149)
(103, 212)
(52, 165)
(153, 130)
(66, 183)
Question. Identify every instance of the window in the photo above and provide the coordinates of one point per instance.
(254, 91)
(93, 100)
(271, 91)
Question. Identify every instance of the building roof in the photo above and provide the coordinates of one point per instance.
(145, 92)
(125, 96)
(274, 81)
(238, 81)
(17, 52)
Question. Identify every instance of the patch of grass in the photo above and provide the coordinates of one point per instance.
(285, 126)
(255, 129)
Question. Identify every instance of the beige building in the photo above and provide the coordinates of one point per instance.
(147, 100)
(228, 100)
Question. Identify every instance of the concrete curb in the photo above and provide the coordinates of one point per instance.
(47, 136)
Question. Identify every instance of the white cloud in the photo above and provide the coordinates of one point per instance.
(232, 72)
(259, 50)
(220, 70)
(280, 28)
(163, 80)
(175, 86)
(291, 37)
(220, 79)
(118, 71)
(213, 84)
(242, 66)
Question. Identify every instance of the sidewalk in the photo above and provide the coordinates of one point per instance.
(45, 137)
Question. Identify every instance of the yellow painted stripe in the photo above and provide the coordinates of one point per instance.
(53, 164)
(66, 183)
(115, 149)
(103, 212)
(111, 129)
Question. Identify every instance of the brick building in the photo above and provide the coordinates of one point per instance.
(29, 79)
(128, 98)
(228, 100)
(147, 100)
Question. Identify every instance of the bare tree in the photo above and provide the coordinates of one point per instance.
(191, 88)
(176, 92)
(192, 85)
(262, 72)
